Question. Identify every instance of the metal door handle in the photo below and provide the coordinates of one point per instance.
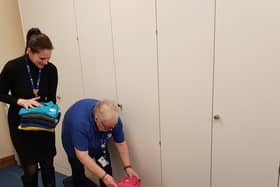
(217, 117)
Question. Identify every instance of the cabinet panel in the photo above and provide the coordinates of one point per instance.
(246, 139)
(96, 49)
(95, 40)
(57, 20)
(134, 39)
(185, 44)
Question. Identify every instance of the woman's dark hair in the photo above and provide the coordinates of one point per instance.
(30, 33)
(36, 41)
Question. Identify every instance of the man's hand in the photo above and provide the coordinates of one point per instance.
(29, 103)
(130, 172)
(109, 181)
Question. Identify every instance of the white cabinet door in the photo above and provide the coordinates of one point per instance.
(57, 20)
(96, 48)
(246, 139)
(185, 34)
(95, 40)
(134, 38)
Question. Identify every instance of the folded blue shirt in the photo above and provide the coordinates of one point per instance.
(49, 108)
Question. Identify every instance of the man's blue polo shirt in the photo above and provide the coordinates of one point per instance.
(79, 130)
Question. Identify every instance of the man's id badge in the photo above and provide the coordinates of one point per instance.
(103, 161)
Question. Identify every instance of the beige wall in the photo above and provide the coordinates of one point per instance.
(11, 46)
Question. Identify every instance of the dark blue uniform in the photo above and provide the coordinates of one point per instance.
(79, 130)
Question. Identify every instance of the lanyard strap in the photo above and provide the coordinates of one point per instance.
(103, 144)
(34, 87)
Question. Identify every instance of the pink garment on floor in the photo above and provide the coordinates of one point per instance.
(129, 182)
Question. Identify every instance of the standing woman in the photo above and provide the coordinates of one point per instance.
(24, 82)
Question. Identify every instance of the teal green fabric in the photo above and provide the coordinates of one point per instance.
(49, 108)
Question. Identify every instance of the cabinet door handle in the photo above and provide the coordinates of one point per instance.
(58, 98)
(217, 117)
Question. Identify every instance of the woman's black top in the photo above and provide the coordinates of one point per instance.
(31, 146)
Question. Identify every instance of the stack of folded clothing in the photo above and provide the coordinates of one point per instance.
(43, 118)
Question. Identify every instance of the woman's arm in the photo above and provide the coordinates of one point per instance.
(5, 85)
(53, 81)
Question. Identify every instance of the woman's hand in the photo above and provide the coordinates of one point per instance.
(28, 103)
(109, 181)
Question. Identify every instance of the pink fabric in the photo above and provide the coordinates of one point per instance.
(129, 182)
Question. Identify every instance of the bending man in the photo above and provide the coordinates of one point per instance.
(88, 125)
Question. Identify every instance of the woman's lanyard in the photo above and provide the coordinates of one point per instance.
(34, 87)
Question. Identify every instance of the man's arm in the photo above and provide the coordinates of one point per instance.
(124, 154)
(91, 165)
